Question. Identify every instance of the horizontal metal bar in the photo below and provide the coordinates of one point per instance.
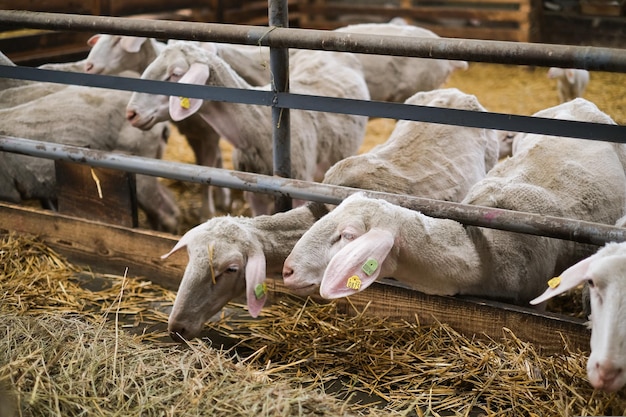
(529, 223)
(508, 122)
(500, 52)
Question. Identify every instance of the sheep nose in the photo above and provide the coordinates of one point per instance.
(178, 333)
(607, 376)
(287, 272)
(130, 115)
(88, 66)
(607, 372)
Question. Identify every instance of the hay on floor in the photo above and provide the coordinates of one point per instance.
(69, 350)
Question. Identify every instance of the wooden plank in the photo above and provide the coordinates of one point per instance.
(133, 7)
(55, 6)
(105, 248)
(110, 249)
(101, 194)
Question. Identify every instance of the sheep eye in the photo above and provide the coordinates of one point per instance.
(232, 269)
(348, 236)
(590, 283)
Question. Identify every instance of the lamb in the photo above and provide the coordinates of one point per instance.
(364, 238)
(411, 161)
(570, 82)
(318, 139)
(396, 78)
(271, 238)
(74, 116)
(605, 274)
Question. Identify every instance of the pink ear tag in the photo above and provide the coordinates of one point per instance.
(354, 283)
(260, 290)
(184, 103)
(370, 266)
(554, 282)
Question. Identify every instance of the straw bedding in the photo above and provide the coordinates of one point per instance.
(68, 350)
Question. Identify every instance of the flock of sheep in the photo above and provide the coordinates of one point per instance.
(338, 251)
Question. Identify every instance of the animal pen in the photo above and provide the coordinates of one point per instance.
(486, 357)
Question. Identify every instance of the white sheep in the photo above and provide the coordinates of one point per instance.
(232, 256)
(318, 139)
(113, 54)
(396, 78)
(365, 238)
(411, 160)
(412, 147)
(570, 82)
(605, 274)
(74, 115)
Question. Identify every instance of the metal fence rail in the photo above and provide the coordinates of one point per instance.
(593, 58)
(499, 52)
(514, 221)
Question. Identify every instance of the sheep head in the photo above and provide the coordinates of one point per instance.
(605, 273)
(178, 62)
(225, 261)
(343, 244)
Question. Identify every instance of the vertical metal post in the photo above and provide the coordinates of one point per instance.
(279, 67)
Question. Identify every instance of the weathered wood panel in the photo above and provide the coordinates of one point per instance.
(102, 194)
(110, 249)
(508, 20)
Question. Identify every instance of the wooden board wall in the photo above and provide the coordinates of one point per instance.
(111, 249)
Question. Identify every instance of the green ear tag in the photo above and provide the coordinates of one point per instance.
(354, 282)
(370, 266)
(260, 290)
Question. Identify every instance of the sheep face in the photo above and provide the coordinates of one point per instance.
(224, 262)
(144, 110)
(110, 54)
(605, 273)
(351, 226)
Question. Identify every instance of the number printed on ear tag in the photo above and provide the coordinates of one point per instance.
(370, 266)
(354, 283)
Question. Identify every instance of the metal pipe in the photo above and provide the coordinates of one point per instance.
(499, 52)
(514, 221)
(281, 119)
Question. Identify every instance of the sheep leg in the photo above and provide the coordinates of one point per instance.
(207, 152)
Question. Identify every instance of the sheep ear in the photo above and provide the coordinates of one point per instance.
(93, 40)
(357, 265)
(184, 241)
(256, 290)
(570, 75)
(132, 44)
(570, 278)
(183, 107)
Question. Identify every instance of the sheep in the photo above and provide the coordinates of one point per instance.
(396, 78)
(411, 161)
(605, 274)
(75, 115)
(570, 82)
(394, 165)
(318, 139)
(112, 54)
(363, 238)
(232, 256)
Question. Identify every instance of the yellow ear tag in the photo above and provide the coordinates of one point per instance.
(260, 290)
(554, 282)
(354, 283)
(184, 102)
(370, 266)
